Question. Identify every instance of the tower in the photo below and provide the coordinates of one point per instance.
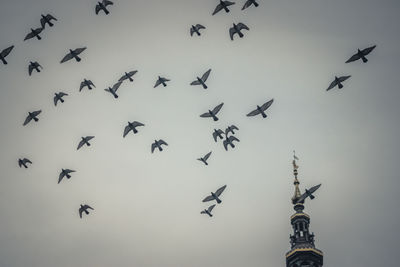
(303, 252)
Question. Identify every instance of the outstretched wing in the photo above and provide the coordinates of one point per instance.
(98, 8)
(343, 78)
(153, 146)
(37, 112)
(81, 143)
(126, 130)
(25, 160)
(107, 3)
(116, 86)
(88, 207)
(30, 69)
(158, 82)
(234, 127)
(80, 212)
(191, 31)
(368, 50)
(217, 9)
(207, 156)
(6, 51)
(253, 113)
(55, 99)
(242, 26)
(199, 26)
(220, 190)
(67, 57)
(232, 138)
(162, 142)
(265, 106)
(353, 58)
(210, 208)
(208, 198)
(29, 36)
(225, 142)
(20, 163)
(333, 84)
(205, 115)
(196, 82)
(205, 75)
(79, 50)
(60, 177)
(314, 188)
(88, 138)
(246, 5)
(27, 120)
(227, 3)
(232, 31)
(136, 123)
(217, 108)
(83, 84)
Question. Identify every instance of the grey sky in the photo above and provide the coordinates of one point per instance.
(147, 206)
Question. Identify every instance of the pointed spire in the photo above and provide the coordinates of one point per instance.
(297, 193)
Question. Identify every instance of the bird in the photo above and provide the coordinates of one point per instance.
(34, 33)
(231, 129)
(87, 83)
(102, 6)
(85, 140)
(196, 29)
(34, 66)
(237, 29)
(222, 5)
(47, 19)
(208, 211)
(132, 127)
(113, 90)
(161, 80)
(338, 82)
(32, 116)
(218, 133)
(202, 80)
(24, 162)
(73, 54)
(58, 97)
(261, 110)
(361, 54)
(64, 173)
(4, 53)
(215, 196)
(127, 75)
(229, 141)
(212, 113)
(205, 158)
(158, 144)
(249, 3)
(308, 193)
(84, 208)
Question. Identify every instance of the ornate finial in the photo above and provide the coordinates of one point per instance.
(296, 182)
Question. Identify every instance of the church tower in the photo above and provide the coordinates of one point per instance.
(303, 252)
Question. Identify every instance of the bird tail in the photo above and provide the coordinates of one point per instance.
(164, 84)
(204, 86)
(35, 119)
(226, 9)
(160, 148)
(364, 59)
(240, 34)
(232, 145)
(88, 144)
(340, 86)
(77, 58)
(68, 176)
(255, 4)
(38, 37)
(130, 79)
(51, 24)
(86, 212)
(106, 11)
(218, 200)
(3, 60)
(263, 114)
(198, 33)
(312, 197)
(62, 100)
(215, 118)
(134, 130)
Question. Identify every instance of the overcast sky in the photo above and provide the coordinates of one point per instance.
(147, 206)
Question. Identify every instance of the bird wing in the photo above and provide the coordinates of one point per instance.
(253, 113)
(153, 146)
(210, 208)
(158, 82)
(88, 207)
(232, 31)
(191, 31)
(205, 75)
(92, 84)
(30, 69)
(220, 190)
(368, 50)
(43, 22)
(314, 188)
(80, 144)
(29, 36)
(6, 51)
(208, 198)
(80, 212)
(98, 8)
(126, 130)
(162, 142)
(27, 120)
(131, 73)
(203, 212)
(205, 115)
(66, 58)
(50, 17)
(232, 138)
(353, 58)
(79, 50)
(266, 105)
(217, 9)
(246, 5)
(225, 142)
(37, 112)
(107, 2)
(83, 84)
(123, 78)
(333, 84)
(234, 127)
(136, 123)
(215, 135)
(88, 138)
(227, 3)
(199, 26)
(25, 160)
(196, 82)
(116, 86)
(242, 26)
(217, 108)
(69, 171)
(207, 156)
(56, 97)
(61, 176)
(19, 162)
(343, 78)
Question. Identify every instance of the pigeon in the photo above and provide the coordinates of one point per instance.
(158, 145)
(84, 208)
(196, 29)
(249, 3)
(208, 211)
(338, 82)
(34, 33)
(215, 195)
(102, 6)
(212, 113)
(5, 53)
(231, 129)
(47, 19)
(58, 97)
(261, 110)
(205, 158)
(87, 83)
(34, 66)
(161, 80)
(113, 90)
(202, 80)
(222, 5)
(361, 54)
(73, 54)
(132, 127)
(229, 141)
(237, 29)
(308, 193)
(218, 133)
(24, 162)
(85, 140)
(127, 75)
(32, 115)
(64, 173)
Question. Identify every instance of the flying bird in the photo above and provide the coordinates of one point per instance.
(208, 211)
(73, 54)
(205, 158)
(237, 29)
(161, 80)
(196, 29)
(215, 195)
(47, 19)
(34, 66)
(361, 54)
(222, 5)
(229, 141)
(218, 133)
(85, 141)
(59, 97)
(338, 82)
(34, 33)
(87, 83)
(113, 90)
(231, 129)
(5, 53)
(132, 127)
(32, 116)
(261, 110)
(102, 6)
(64, 173)
(249, 3)
(24, 162)
(84, 208)
(158, 144)
(202, 80)
(127, 75)
(308, 193)
(212, 113)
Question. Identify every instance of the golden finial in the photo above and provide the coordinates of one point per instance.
(296, 182)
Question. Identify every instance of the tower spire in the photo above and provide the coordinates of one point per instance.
(297, 193)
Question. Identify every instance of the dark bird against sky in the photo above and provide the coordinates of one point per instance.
(34, 33)
(218, 133)
(338, 82)
(229, 141)
(5, 53)
(261, 110)
(84, 141)
(215, 196)
(212, 113)
(308, 193)
(236, 29)
(47, 19)
(59, 97)
(161, 80)
(73, 54)
(132, 127)
(361, 54)
(32, 116)
(34, 66)
(208, 211)
(158, 144)
(222, 5)
(202, 80)
(196, 29)
(24, 162)
(64, 173)
(249, 3)
(127, 75)
(103, 6)
(84, 208)
(231, 129)
(113, 90)
(87, 83)
(205, 158)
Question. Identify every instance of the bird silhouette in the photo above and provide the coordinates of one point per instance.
(73, 54)
(236, 28)
(229, 141)
(218, 133)
(212, 113)
(222, 5)
(231, 129)
(215, 196)
(102, 6)
(202, 80)
(208, 211)
(34, 33)
(64, 173)
(127, 75)
(161, 80)
(338, 82)
(34, 66)
(24, 162)
(84, 208)
(261, 110)
(132, 127)
(113, 90)
(87, 83)
(4, 53)
(32, 116)
(196, 29)
(158, 144)
(84, 141)
(249, 3)
(308, 193)
(205, 158)
(361, 54)
(47, 19)
(59, 97)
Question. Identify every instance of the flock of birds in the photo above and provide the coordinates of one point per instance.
(228, 136)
